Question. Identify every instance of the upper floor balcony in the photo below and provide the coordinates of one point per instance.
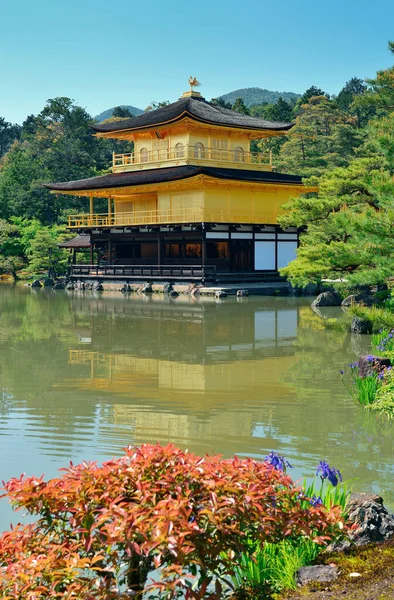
(173, 216)
(195, 154)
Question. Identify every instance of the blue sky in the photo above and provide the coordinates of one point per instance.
(106, 53)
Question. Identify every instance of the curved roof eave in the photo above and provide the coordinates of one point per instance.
(166, 175)
(196, 109)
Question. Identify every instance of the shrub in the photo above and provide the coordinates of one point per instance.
(379, 317)
(100, 530)
(384, 400)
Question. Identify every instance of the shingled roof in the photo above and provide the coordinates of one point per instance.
(152, 176)
(80, 241)
(197, 109)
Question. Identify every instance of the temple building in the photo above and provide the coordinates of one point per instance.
(192, 202)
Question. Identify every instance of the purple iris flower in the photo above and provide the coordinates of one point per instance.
(326, 472)
(342, 372)
(278, 462)
(315, 500)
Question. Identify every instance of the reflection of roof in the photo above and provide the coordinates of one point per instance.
(80, 241)
(114, 180)
(197, 109)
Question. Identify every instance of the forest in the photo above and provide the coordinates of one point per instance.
(343, 144)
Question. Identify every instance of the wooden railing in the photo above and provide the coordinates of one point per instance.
(169, 217)
(188, 151)
(167, 272)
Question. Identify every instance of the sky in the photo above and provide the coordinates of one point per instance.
(107, 53)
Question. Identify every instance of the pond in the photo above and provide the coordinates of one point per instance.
(84, 375)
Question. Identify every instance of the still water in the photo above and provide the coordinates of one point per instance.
(84, 375)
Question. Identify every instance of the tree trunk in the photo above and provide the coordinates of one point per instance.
(137, 573)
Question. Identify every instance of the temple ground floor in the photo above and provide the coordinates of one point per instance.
(205, 252)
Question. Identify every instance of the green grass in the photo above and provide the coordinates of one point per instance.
(363, 389)
(275, 565)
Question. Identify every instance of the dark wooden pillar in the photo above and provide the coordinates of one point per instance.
(159, 249)
(74, 258)
(110, 250)
(91, 253)
(203, 255)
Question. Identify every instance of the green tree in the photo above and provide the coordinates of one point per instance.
(381, 90)
(222, 103)
(281, 111)
(348, 225)
(8, 134)
(11, 250)
(240, 106)
(310, 93)
(122, 112)
(323, 137)
(348, 100)
(57, 145)
(44, 253)
(353, 87)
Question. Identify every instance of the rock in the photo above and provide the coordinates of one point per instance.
(190, 288)
(242, 293)
(369, 363)
(36, 284)
(316, 574)
(97, 286)
(195, 292)
(362, 298)
(49, 282)
(327, 299)
(145, 288)
(167, 287)
(311, 289)
(220, 294)
(59, 286)
(173, 294)
(360, 325)
(126, 288)
(70, 286)
(370, 519)
(369, 522)
(79, 285)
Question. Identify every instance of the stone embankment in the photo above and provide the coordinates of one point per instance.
(172, 289)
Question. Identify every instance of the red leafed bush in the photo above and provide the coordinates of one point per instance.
(100, 530)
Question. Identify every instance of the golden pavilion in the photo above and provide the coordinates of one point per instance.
(192, 202)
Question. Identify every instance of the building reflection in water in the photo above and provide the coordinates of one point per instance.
(184, 371)
(83, 376)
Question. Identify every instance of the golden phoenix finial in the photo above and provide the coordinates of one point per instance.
(193, 82)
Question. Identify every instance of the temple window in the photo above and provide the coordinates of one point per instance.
(144, 154)
(220, 149)
(179, 150)
(160, 149)
(239, 154)
(199, 150)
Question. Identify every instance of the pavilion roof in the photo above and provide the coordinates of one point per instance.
(165, 175)
(197, 109)
(79, 241)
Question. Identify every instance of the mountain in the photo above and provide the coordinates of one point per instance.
(106, 114)
(254, 95)
(251, 96)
